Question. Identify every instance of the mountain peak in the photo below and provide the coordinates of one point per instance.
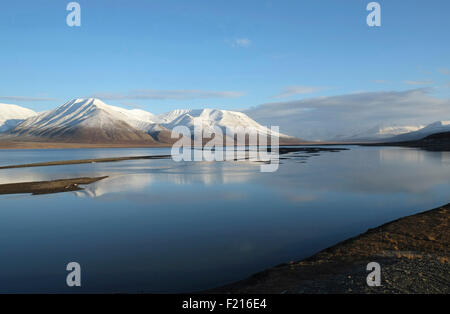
(11, 115)
(84, 103)
(7, 110)
(439, 124)
(435, 127)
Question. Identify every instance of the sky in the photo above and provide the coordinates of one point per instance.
(252, 55)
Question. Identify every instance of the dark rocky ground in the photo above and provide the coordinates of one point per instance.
(435, 142)
(47, 187)
(413, 253)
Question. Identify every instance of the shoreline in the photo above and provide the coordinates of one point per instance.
(47, 187)
(61, 145)
(83, 161)
(413, 253)
(282, 151)
(425, 144)
(5, 145)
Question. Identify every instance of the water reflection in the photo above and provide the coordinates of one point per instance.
(160, 226)
(365, 170)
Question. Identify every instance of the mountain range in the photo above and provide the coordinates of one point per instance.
(433, 128)
(395, 133)
(91, 120)
(378, 133)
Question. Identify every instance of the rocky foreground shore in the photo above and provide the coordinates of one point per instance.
(413, 253)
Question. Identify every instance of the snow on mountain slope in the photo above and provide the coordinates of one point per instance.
(89, 112)
(94, 121)
(139, 119)
(88, 120)
(170, 116)
(209, 118)
(379, 132)
(397, 130)
(433, 128)
(11, 115)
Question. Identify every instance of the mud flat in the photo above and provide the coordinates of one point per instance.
(413, 253)
(4, 144)
(84, 161)
(47, 187)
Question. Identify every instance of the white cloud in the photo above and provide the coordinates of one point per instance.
(418, 82)
(298, 90)
(26, 98)
(169, 94)
(324, 118)
(240, 42)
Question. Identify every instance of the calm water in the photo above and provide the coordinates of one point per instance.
(161, 226)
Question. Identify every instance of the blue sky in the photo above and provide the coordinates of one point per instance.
(161, 55)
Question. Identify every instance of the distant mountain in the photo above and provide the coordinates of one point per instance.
(433, 128)
(378, 133)
(92, 121)
(12, 115)
(434, 142)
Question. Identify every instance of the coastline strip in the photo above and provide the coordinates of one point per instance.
(47, 187)
(413, 253)
(83, 161)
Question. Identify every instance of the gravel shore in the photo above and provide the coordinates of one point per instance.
(413, 253)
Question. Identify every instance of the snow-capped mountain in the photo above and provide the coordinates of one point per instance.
(210, 118)
(433, 128)
(91, 120)
(88, 120)
(385, 132)
(12, 115)
(379, 132)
